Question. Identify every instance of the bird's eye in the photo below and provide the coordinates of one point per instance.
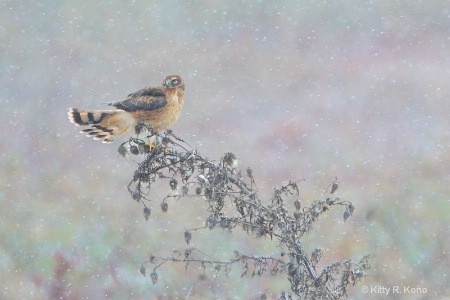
(174, 81)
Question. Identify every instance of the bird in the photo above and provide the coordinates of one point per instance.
(157, 106)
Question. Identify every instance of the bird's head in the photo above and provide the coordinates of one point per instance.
(173, 81)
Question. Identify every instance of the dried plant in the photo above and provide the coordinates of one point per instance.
(226, 189)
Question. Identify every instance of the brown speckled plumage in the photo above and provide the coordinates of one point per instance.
(159, 107)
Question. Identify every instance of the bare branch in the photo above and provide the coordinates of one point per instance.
(233, 203)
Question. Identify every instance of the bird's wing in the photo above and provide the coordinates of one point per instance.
(150, 98)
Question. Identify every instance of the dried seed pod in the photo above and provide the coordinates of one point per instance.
(210, 222)
(142, 148)
(151, 259)
(292, 269)
(297, 215)
(173, 184)
(249, 172)
(330, 201)
(297, 204)
(334, 186)
(187, 236)
(139, 128)
(346, 215)
(164, 206)
(231, 159)
(147, 212)
(137, 175)
(165, 141)
(134, 150)
(185, 190)
(348, 264)
(351, 208)
(240, 209)
(208, 193)
(136, 195)
(198, 190)
(358, 274)
(225, 222)
(316, 256)
(123, 150)
(154, 277)
(187, 253)
(142, 270)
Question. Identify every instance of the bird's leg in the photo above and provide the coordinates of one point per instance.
(139, 128)
(150, 144)
(154, 144)
(157, 143)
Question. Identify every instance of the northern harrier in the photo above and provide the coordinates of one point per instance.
(158, 107)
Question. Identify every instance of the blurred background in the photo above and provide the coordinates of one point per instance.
(314, 90)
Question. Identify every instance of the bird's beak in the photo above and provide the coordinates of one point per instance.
(166, 83)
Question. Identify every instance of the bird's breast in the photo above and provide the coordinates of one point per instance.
(164, 117)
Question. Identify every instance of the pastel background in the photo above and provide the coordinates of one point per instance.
(297, 89)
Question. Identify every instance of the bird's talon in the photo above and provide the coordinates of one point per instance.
(150, 145)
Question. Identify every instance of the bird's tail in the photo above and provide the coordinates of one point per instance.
(105, 125)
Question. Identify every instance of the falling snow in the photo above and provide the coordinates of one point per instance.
(297, 89)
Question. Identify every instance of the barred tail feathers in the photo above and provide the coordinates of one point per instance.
(105, 125)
